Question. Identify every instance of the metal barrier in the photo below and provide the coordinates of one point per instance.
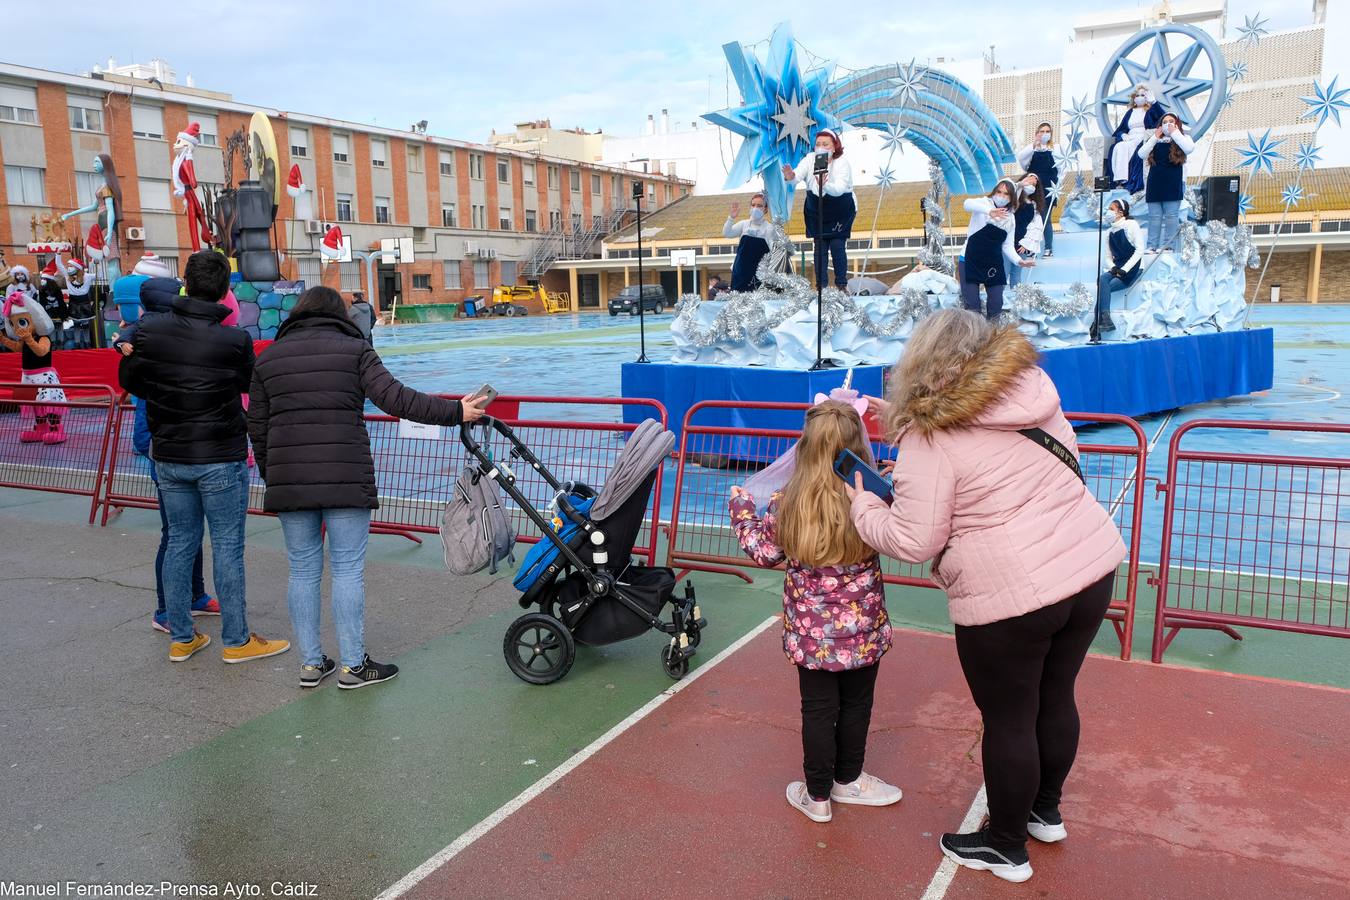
(715, 457)
(72, 466)
(1256, 540)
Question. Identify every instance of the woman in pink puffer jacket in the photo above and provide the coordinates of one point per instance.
(1026, 555)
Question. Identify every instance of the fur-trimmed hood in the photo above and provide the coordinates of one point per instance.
(1000, 387)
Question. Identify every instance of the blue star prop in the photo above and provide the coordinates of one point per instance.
(1167, 76)
(1326, 103)
(1260, 153)
(1228, 101)
(1080, 113)
(1054, 192)
(779, 115)
(908, 84)
(1075, 141)
(1065, 159)
(1308, 156)
(885, 178)
(1237, 71)
(1291, 195)
(1253, 29)
(893, 139)
(1244, 204)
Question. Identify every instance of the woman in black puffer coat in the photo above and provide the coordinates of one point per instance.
(305, 417)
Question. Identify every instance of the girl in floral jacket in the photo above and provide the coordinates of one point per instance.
(835, 626)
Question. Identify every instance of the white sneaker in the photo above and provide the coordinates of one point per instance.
(799, 797)
(1045, 829)
(868, 790)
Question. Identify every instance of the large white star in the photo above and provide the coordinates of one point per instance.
(1253, 29)
(909, 83)
(794, 119)
(1167, 76)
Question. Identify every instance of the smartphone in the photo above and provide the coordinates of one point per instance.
(487, 391)
(847, 463)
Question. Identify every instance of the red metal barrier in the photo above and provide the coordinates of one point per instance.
(713, 458)
(74, 466)
(1258, 540)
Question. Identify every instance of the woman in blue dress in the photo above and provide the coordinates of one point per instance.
(989, 254)
(1125, 244)
(829, 208)
(755, 235)
(1165, 152)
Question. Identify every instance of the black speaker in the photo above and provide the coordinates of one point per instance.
(1220, 196)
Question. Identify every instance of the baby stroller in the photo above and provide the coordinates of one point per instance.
(581, 575)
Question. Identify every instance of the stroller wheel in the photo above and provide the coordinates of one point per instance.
(674, 662)
(539, 649)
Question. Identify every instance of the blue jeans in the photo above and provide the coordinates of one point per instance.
(198, 582)
(348, 531)
(1163, 223)
(1106, 286)
(1048, 239)
(218, 491)
(834, 248)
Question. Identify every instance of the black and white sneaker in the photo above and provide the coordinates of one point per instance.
(1047, 827)
(368, 673)
(310, 676)
(974, 852)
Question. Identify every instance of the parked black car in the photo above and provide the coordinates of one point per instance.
(653, 299)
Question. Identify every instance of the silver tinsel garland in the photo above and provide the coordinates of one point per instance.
(1029, 298)
(933, 254)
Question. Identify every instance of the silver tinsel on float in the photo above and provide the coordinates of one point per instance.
(933, 253)
(1028, 298)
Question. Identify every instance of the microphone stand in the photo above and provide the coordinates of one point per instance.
(642, 288)
(822, 269)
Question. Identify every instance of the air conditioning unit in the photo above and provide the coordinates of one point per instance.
(313, 226)
(135, 233)
(470, 248)
(489, 252)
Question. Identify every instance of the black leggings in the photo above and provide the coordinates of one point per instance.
(836, 713)
(970, 298)
(1021, 672)
(834, 248)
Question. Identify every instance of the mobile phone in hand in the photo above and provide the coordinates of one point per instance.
(847, 463)
(487, 391)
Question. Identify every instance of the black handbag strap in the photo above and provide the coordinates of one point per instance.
(1062, 453)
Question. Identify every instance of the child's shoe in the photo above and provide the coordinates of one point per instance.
(799, 797)
(206, 605)
(56, 432)
(160, 622)
(868, 790)
(35, 435)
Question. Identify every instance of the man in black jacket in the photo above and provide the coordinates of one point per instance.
(191, 370)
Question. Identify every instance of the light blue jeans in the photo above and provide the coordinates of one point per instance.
(1163, 224)
(348, 530)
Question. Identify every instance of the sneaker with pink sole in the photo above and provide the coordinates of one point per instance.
(868, 790)
(800, 798)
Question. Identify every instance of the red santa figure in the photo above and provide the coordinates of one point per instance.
(185, 185)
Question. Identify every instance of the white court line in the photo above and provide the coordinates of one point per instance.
(1335, 395)
(942, 878)
(416, 876)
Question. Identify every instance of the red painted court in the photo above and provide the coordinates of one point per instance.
(1189, 784)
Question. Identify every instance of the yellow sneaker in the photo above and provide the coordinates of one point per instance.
(181, 651)
(256, 648)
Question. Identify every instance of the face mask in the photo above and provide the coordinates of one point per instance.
(1167, 128)
(825, 149)
(1112, 216)
(1045, 139)
(1028, 190)
(1140, 100)
(756, 213)
(1000, 201)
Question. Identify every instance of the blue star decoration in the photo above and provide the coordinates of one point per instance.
(1228, 100)
(1291, 195)
(1237, 71)
(1244, 204)
(909, 83)
(1307, 156)
(885, 178)
(1260, 154)
(779, 115)
(1054, 192)
(1326, 103)
(1168, 76)
(1253, 29)
(1065, 159)
(1080, 113)
(893, 139)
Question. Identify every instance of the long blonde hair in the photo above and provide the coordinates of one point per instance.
(814, 525)
(934, 356)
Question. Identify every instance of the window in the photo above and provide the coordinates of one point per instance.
(342, 148)
(595, 184)
(597, 221)
(448, 215)
(421, 282)
(508, 271)
(344, 207)
(555, 218)
(504, 218)
(18, 104)
(147, 121)
(527, 172)
(478, 216)
(86, 185)
(299, 142)
(574, 177)
(531, 220)
(503, 171)
(481, 276)
(451, 269)
(414, 158)
(668, 194)
(476, 166)
(379, 152)
(310, 272)
(351, 276)
(210, 130)
(25, 186)
(86, 113)
(576, 221)
(447, 162)
(382, 210)
(553, 178)
(651, 195)
(155, 193)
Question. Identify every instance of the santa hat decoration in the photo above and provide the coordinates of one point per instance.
(295, 184)
(74, 267)
(192, 134)
(331, 248)
(93, 245)
(153, 266)
(18, 272)
(49, 270)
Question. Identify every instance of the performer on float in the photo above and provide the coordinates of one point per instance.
(108, 205)
(1126, 244)
(755, 234)
(80, 304)
(28, 331)
(988, 253)
(1165, 151)
(53, 300)
(1038, 158)
(185, 185)
(1028, 226)
(832, 198)
(1121, 164)
(20, 281)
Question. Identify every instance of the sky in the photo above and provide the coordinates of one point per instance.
(469, 67)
